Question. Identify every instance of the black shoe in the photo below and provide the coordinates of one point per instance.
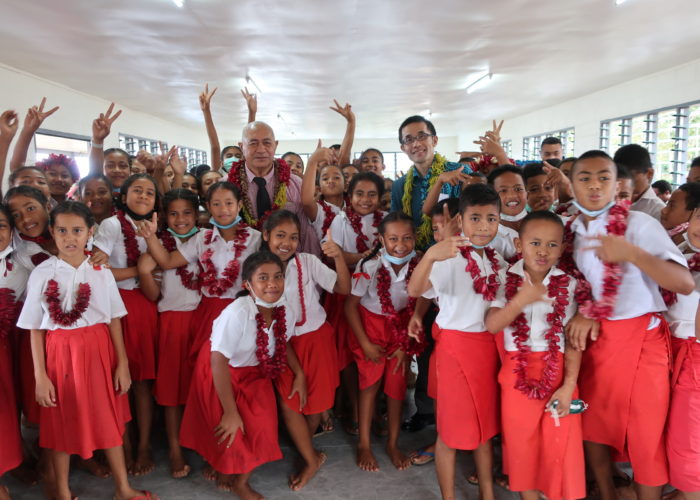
(418, 422)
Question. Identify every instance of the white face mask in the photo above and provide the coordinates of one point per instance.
(260, 302)
(514, 218)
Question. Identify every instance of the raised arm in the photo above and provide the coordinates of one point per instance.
(215, 147)
(8, 129)
(101, 128)
(179, 165)
(251, 101)
(349, 138)
(453, 178)
(331, 250)
(322, 156)
(446, 249)
(165, 259)
(35, 117)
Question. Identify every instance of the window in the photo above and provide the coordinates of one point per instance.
(133, 145)
(396, 163)
(48, 142)
(508, 147)
(531, 144)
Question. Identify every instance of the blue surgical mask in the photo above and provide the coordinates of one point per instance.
(213, 222)
(594, 213)
(397, 261)
(186, 235)
(529, 208)
(228, 162)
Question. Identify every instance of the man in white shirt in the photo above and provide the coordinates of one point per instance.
(637, 160)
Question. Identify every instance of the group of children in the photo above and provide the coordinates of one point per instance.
(568, 329)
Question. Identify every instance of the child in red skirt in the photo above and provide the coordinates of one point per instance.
(179, 297)
(354, 229)
(313, 341)
(683, 428)
(231, 414)
(82, 372)
(623, 257)
(118, 237)
(378, 312)
(531, 308)
(464, 275)
(13, 280)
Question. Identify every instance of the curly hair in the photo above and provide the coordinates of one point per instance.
(64, 160)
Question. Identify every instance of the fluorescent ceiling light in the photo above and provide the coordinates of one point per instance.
(618, 2)
(479, 83)
(179, 3)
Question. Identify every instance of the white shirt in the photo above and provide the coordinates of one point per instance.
(504, 242)
(235, 331)
(321, 219)
(314, 274)
(638, 294)
(105, 301)
(15, 279)
(367, 288)
(173, 294)
(649, 203)
(110, 239)
(25, 250)
(461, 308)
(224, 251)
(681, 315)
(536, 313)
(346, 237)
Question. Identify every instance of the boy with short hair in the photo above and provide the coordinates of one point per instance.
(637, 160)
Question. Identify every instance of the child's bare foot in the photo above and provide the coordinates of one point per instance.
(298, 481)
(225, 482)
(94, 467)
(130, 493)
(178, 467)
(397, 458)
(208, 472)
(143, 464)
(242, 488)
(366, 460)
(26, 474)
(673, 495)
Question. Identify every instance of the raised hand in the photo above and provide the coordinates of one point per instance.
(496, 130)
(205, 97)
(344, 111)
(36, 116)
(454, 177)
(330, 248)
(251, 100)
(8, 125)
(147, 229)
(102, 125)
(323, 156)
(176, 161)
(147, 160)
(450, 226)
(447, 248)
(490, 144)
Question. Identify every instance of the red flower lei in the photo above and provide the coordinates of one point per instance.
(356, 224)
(329, 215)
(9, 311)
(300, 284)
(238, 176)
(58, 315)
(694, 262)
(487, 287)
(557, 290)
(131, 246)
(208, 276)
(187, 278)
(272, 366)
(398, 321)
(671, 298)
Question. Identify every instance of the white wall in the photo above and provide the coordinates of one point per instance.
(20, 90)
(666, 88)
(446, 145)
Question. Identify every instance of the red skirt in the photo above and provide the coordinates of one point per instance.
(140, 329)
(683, 432)
(175, 335)
(207, 311)
(432, 371)
(467, 393)
(625, 379)
(30, 408)
(89, 415)
(255, 400)
(334, 304)
(540, 455)
(317, 356)
(369, 373)
(11, 449)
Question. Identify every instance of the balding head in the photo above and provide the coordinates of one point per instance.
(258, 145)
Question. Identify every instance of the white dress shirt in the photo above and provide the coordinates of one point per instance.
(367, 288)
(315, 275)
(346, 237)
(16, 278)
(110, 239)
(649, 203)
(173, 294)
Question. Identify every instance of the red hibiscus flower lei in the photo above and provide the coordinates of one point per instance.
(356, 224)
(208, 277)
(58, 315)
(485, 286)
(38, 258)
(272, 366)
(694, 262)
(300, 284)
(398, 320)
(237, 175)
(557, 290)
(131, 245)
(188, 279)
(8, 264)
(329, 215)
(9, 311)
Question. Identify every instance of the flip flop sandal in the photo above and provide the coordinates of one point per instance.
(352, 428)
(422, 457)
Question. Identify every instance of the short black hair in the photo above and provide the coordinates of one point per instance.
(368, 150)
(692, 195)
(228, 186)
(336, 147)
(367, 176)
(181, 194)
(663, 186)
(5, 210)
(225, 150)
(124, 190)
(18, 172)
(477, 174)
(278, 217)
(129, 158)
(416, 119)
(533, 170)
(72, 208)
(550, 140)
(504, 169)
(695, 162)
(24, 190)
(94, 177)
(545, 215)
(478, 195)
(635, 157)
(452, 207)
(589, 155)
(622, 172)
(257, 259)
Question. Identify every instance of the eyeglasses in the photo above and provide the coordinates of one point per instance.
(420, 138)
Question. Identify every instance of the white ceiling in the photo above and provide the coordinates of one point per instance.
(388, 58)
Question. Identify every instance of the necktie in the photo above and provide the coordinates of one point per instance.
(262, 200)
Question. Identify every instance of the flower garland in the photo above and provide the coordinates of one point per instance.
(328, 216)
(9, 311)
(39, 257)
(398, 321)
(694, 262)
(188, 279)
(208, 277)
(56, 312)
(131, 245)
(557, 290)
(9, 266)
(272, 366)
(355, 220)
(485, 286)
(424, 233)
(237, 175)
(300, 284)
(39, 240)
